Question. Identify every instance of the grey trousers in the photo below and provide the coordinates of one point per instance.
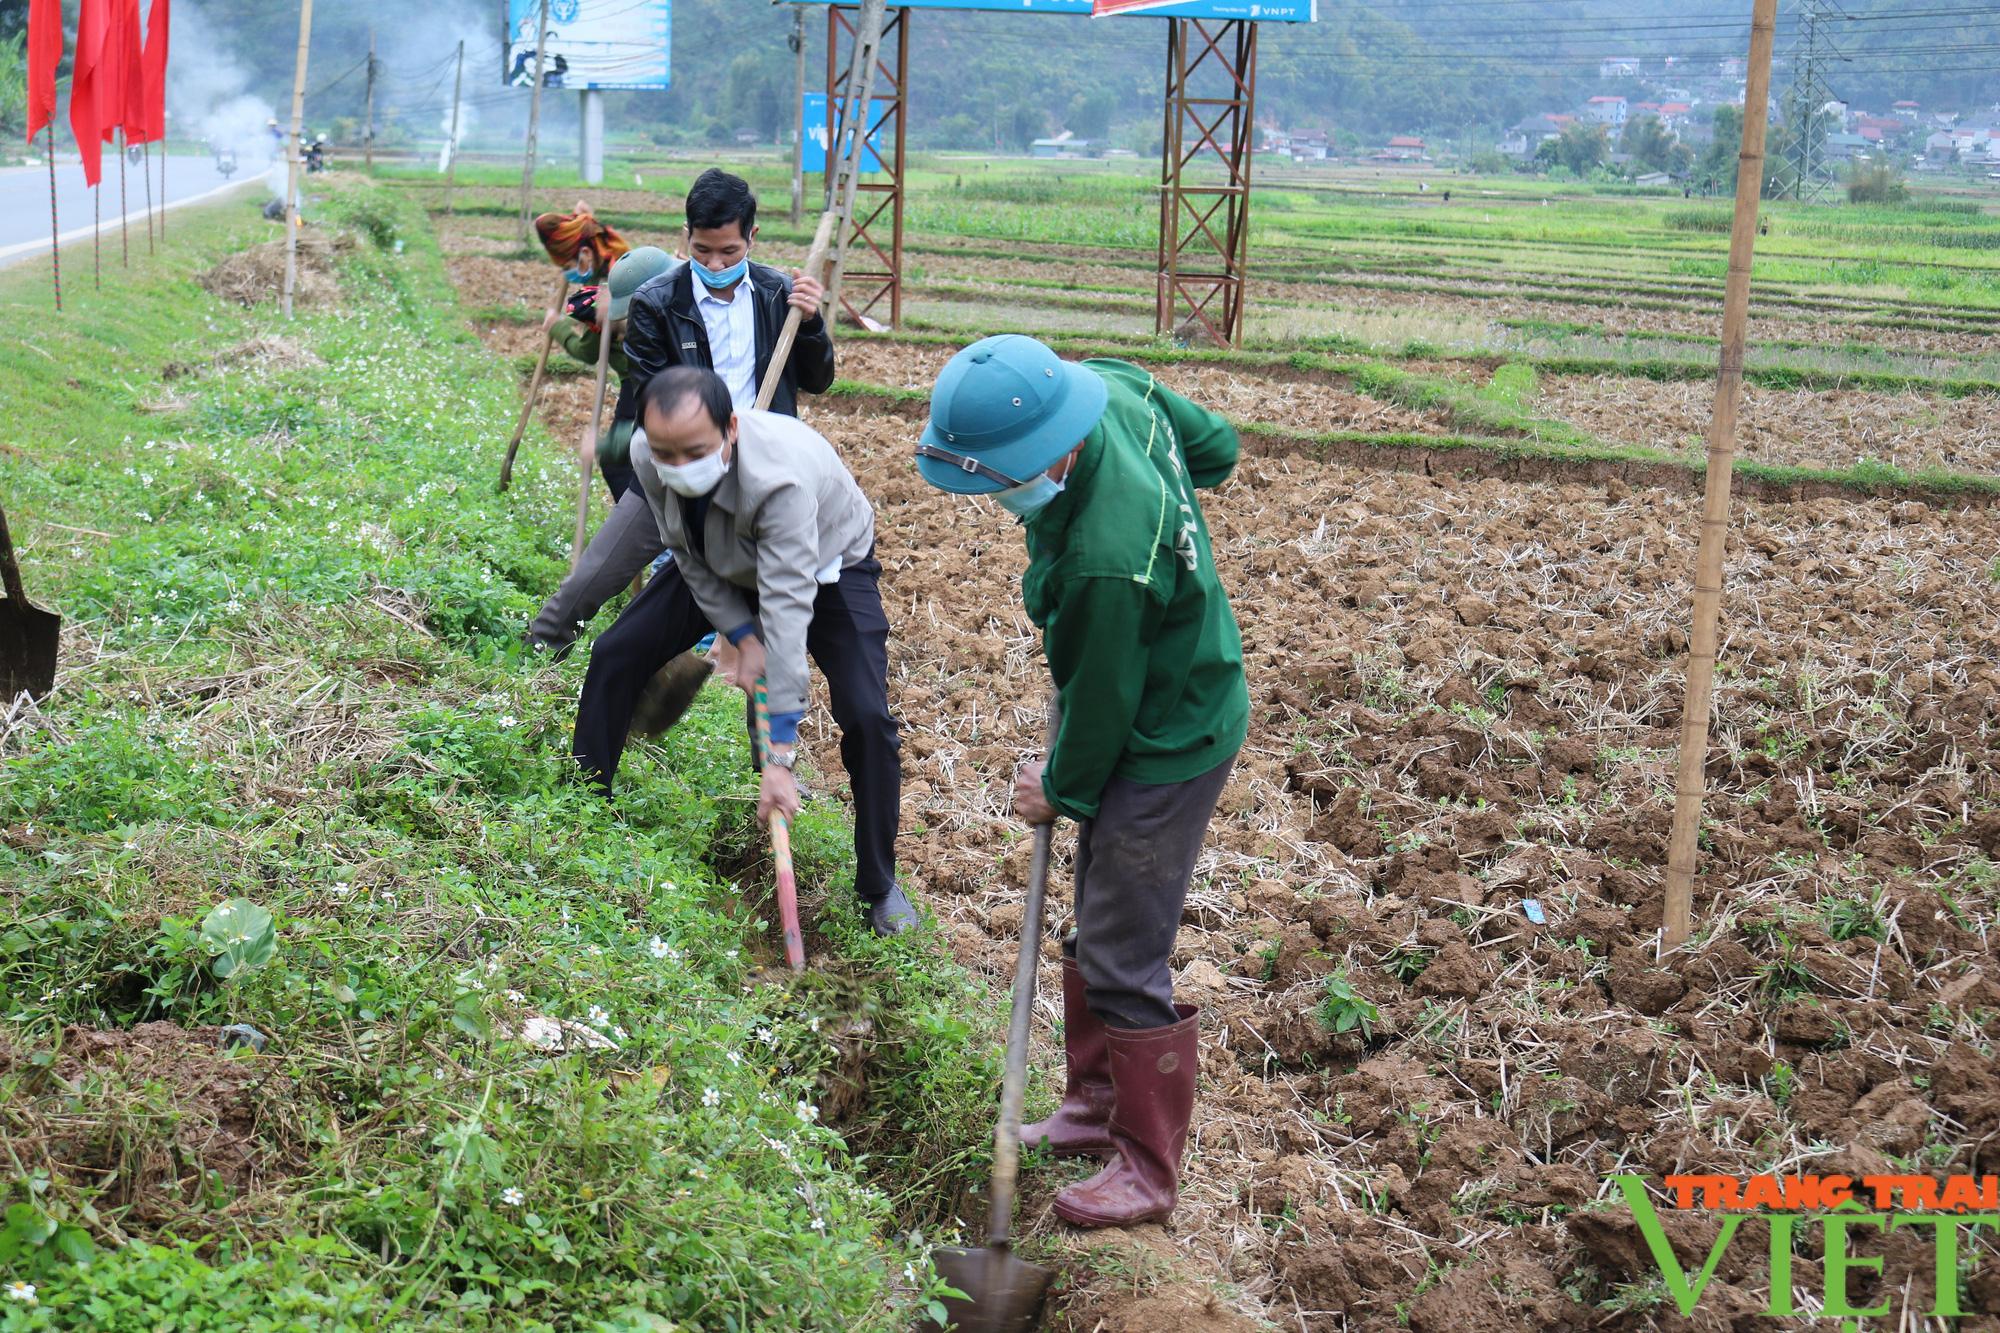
(1133, 866)
(626, 543)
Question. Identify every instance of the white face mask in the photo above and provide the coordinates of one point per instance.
(693, 479)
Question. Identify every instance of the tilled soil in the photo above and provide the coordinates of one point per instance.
(1465, 696)
(1802, 426)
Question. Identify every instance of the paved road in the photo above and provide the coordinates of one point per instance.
(24, 200)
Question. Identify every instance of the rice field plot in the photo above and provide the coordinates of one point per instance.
(1464, 697)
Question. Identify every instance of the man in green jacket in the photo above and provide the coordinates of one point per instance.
(1100, 462)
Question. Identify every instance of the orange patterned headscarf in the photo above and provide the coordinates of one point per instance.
(563, 234)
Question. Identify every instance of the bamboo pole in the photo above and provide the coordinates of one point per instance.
(534, 123)
(292, 167)
(798, 44)
(1691, 781)
(534, 389)
(146, 172)
(588, 456)
(163, 187)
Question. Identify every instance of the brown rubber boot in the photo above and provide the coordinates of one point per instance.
(1080, 1127)
(1152, 1075)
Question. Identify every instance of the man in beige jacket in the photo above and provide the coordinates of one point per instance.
(773, 545)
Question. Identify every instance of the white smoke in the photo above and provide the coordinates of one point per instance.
(206, 90)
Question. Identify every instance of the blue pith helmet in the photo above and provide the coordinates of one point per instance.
(633, 271)
(1006, 409)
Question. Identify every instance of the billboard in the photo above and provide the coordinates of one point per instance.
(816, 117)
(591, 44)
(1265, 11)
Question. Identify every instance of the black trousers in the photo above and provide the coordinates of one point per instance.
(848, 640)
(1133, 866)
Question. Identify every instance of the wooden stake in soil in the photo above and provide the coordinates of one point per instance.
(1691, 780)
(588, 457)
(534, 123)
(292, 167)
(534, 389)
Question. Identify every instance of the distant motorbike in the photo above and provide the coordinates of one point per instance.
(225, 163)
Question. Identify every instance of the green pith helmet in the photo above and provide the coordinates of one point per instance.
(1004, 410)
(633, 271)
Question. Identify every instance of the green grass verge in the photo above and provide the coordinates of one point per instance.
(292, 680)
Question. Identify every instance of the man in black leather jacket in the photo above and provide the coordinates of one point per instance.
(669, 327)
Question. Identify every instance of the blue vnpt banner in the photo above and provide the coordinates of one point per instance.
(591, 43)
(814, 158)
(1263, 11)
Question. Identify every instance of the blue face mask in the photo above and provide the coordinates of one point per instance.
(576, 276)
(728, 277)
(1030, 497)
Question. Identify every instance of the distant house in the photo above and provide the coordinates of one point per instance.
(1730, 67)
(1674, 112)
(1065, 144)
(1941, 148)
(1403, 148)
(1905, 106)
(1515, 143)
(1308, 145)
(1606, 110)
(1618, 67)
(1841, 147)
(1653, 178)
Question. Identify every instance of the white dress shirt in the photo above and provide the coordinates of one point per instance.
(732, 338)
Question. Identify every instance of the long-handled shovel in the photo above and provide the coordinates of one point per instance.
(1004, 1292)
(28, 634)
(781, 851)
(673, 689)
(534, 391)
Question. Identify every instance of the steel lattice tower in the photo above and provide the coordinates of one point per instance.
(1811, 176)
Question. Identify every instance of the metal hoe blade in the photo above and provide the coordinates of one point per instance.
(28, 635)
(1004, 1293)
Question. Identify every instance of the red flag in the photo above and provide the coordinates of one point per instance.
(93, 18)
(124, 52)
(155, 64)
(1104, 8)
(45, 39)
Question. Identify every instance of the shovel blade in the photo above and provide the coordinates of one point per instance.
(669, 694)
(1003, 1293)
(28, 639)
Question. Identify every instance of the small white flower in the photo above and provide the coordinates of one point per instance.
(768, 1037)
(618, 1034)
(598, 1018)
(710, 1097)
(23, 1292)
(819, 1224)
(659, 948)
(814, 1024)
(513, 1197)
(731, 954)
(515, 997)
(735, 1059)
(509, 720)
(807, 1111)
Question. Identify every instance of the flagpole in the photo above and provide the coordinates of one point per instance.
(97, 234)
(124, 221)
(147, 172)
(55, 233)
